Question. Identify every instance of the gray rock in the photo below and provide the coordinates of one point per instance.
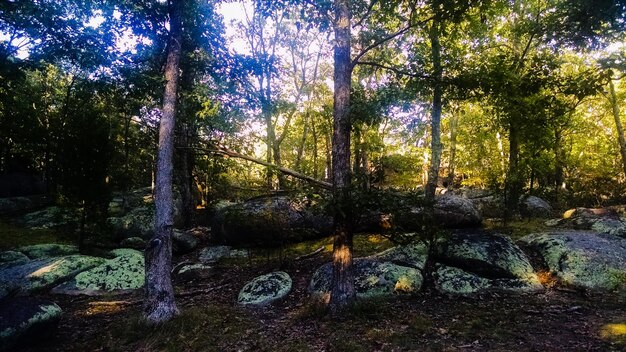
(51, 218)
(121, 274)
(44, 273)
(12, 257)
(535, 207)
(373, 278)
(184, 241)
(14, 204)
(270, 221)
(26, 320)
(582, 260)
(133, 242)
(192, 272)
(477, 257)
(454, 212)
(610, 226)
(265, 289)
(47, 250)
(215, 253)
(412, 255)
(139, 222)
(553, 222)
(491, 206)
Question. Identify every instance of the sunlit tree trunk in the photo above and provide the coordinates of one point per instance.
(342, 292)
(618, 125)
(159, 305)
(435, 116)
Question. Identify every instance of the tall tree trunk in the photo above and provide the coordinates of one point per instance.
(159, 305)
(559, 164)
(342, 292)
(435, 116)
(452, 164)
(618, 124)
(314, 135)
(512, 184)
(302, 143)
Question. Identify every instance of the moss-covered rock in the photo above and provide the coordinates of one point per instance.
(26, 320)
(455, 281)
(456, 212)
(44, 273)
(583, 260)
(190, 272)
(412, 255)
(535, 207)
(15, 204)
(373, 278)
(13, 257)
(47, 250)
(213, 254)
(265, 289)
(121, 274)
(51, 218)
(139, 222)
(184, 241)
(477, 257)
(133, 242)
(607, 220)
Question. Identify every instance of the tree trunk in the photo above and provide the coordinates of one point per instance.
(435, 117)
(559, 164)
(618, 125)
(342, 292)
(452, 163)
(159, 305)
(512, 183)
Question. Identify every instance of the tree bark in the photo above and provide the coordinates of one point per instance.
(513, 178)
(342, 292)
(452, 164)
(435, 117)
(159, 305)
(618, 125)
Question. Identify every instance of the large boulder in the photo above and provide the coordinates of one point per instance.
(271, 221)
(580, 259)
(13, 257)
(139, 222)
(455, 212)
(43, 273)
(602, 220)
(535, 207)
(191, 272)
(476, 262)
(47, 250)
(213, 254)
(490, 206)
(121, 274)
(26, 320)
(265, 289)
(51, 218)
(15, 204)
(184, 241)
(412, 255)
(372, 278)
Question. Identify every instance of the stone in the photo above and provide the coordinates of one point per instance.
(139, 222)
(15, 204)
(47, 250)
(582, 260)
(412, 255)
(270, 221)
(213, 254)
(610, 226)
(121, 274)
(553, 222)
(456, 212)
(535, 207)
(53, 217)
(184, 241)
(39, 274)
(24, 321)
(191, 272)
(480, 256)
(13, 257)
(265, 289)
(133, 242)
(373, 278)
(490, 206)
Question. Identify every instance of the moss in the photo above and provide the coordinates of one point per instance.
(456, 281)
(12, 257)
(265, 289)
(14, 236)
(47, 250)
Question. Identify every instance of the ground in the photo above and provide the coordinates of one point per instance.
(211, 320)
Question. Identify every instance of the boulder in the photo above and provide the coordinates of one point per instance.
(474, 262)
(15, 204)
(265, 289)
(47, 250)
(44, 273)
(184, 241)
(412, 255)
(373, 278)
(24, 321)
(121, 274)
(535, 207)
(213, 254)
(490, 206)
(191, 272)
(139, 222)
(580, 259)
(602, 220)
(13, 257)
(51, 218)
(455, 212)
(133, 242)
(271, 221)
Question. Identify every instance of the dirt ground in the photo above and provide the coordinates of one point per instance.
(211, 320)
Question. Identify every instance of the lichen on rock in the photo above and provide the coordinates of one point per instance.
(265, 289)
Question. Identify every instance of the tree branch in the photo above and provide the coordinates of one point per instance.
(392, 69)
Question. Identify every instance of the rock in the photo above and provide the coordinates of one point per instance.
(215, 253)
(583, 260)
(265, 289)
(121, 274)
(270, 221)
(192, 272)
(133, 242)
(481, 261)
(535, 207)
(12, 257)
(491, 206)
(610, 226)
(601, 220)
(373, 278)
(51, 218)
(412, 255)
(47, 250)
(139, 222)
(200, 232)
(15, 204)
(26, 320)
(455, 212)
(184, 241)
(553, 222)
(44, 273)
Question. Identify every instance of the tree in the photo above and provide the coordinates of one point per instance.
(159, 305)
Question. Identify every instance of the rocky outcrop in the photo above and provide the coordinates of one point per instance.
(271, 221)
(47, 250)
(121, 274)
(475, 262)
(582, 260)
(535, 207)
(265, 289)
(24, 321)
(608, 220)
(373, 278)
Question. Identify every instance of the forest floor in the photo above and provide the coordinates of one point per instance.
(211, 319)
